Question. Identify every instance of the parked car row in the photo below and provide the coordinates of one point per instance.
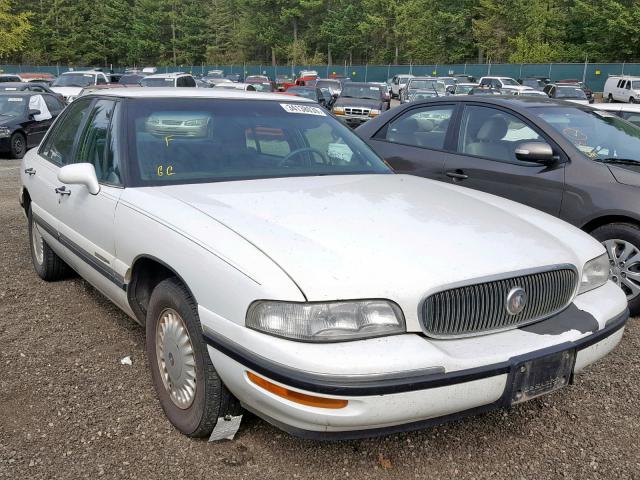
(279, 265)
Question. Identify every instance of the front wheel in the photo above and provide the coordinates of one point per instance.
(188, 386)
(18, 145)
(632, 100)
(622, 242)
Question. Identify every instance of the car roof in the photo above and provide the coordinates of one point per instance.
(19, 93)
(230, 94)
(167, 75)
(16, 84)
(512, 101)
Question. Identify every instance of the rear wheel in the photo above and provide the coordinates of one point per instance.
(18, 145)
(188, 386)
(622, 242)
(46, 263)
(610, 98)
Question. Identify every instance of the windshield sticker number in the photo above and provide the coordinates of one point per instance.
(14, 100)
(162, 171)
(303, 109)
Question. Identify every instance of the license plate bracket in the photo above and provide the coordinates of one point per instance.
(539, 376)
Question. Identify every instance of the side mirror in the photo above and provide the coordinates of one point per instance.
(80, 174)
(33, 113)
(538, 152)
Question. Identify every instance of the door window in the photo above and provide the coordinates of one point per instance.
(189, 82)
(97, 145)
(421, 127)
(628, 86)
(54, 106)
(58, 147)
(101, 80)
(492, 133)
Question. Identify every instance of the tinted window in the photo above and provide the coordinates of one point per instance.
(97, 145)
(58, 147)
(632, 117)
(101, 80)
(53, 104)
(354, 90)
(189, 82)
(190, 140)
(74, 80)
(421, 127)
(492, 133)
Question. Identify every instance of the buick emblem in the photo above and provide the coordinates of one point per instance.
(516, 300)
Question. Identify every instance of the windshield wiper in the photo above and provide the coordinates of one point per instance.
(618, 161)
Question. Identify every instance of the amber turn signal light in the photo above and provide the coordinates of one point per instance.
(297, 397)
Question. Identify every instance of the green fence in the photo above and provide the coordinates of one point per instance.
(594, 74)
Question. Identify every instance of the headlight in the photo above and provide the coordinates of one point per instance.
(595, 273)
(326, 322)
(374, 113)
(338, 110)
(5, 132)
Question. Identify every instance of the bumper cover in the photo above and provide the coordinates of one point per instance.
(379, 403)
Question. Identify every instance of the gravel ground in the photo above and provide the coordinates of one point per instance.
(69, 409)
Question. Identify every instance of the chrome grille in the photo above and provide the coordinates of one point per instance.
(481, 308)
(357, 111)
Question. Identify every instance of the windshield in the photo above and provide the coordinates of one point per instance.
(130, 79)
(533, 82)
(157, 82)
(462, 89)
(635, 85)
(9, 78)
(598, 134)
(369, 92)
(423, 85)
(330, 84)
(74, 80)
(304, 92)
(509, 81)
(13, 106)
(570, 92)
(194, 140)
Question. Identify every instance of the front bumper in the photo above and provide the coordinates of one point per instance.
(416, 391)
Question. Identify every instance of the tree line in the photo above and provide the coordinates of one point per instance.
(216, 32)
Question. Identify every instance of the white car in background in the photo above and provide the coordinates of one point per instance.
(622, 88)
(279, 265)
(70, 84)
(399, 83)
(173, 80)
(504, 84)
(628, 111)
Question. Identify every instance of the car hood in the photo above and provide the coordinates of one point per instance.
(357, 102)
(384, 236)
(67, 91)
(579, 101)
(519, 88)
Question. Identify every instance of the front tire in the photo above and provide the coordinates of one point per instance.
(632, 100)
(190, 391)
(622, 242)
(47, 264)
(18, 145)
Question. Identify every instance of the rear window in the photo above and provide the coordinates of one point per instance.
(180, 140)
(157, 82)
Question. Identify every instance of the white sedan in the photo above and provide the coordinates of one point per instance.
(279, 265)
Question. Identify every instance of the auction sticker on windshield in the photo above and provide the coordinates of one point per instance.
(304, 109)
(15, 100)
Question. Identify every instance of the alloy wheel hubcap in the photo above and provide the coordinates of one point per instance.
(176, 358)
(624, 266)
(38, 244)
(18, 145)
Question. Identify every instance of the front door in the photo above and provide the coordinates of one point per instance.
(486, 160)
(86, 220)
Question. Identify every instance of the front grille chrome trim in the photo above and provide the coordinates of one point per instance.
(477, 307)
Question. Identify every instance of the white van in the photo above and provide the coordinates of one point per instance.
(622, 88)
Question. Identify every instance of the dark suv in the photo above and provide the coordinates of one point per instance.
(569, 160)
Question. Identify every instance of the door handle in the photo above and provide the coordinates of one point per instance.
(63, 191)
(457, 175)
(30, 171)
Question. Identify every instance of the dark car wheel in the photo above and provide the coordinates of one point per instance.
(188, 386)
(47, 264)
(632, 100)
(18, 145)
(622, 241)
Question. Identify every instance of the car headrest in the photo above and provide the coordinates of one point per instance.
(492, 130)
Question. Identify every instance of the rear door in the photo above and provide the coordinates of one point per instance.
(417, 141)
(486, 141)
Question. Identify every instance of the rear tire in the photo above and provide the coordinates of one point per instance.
(616, 237)
(49, 266)
(610, 99)
(190, 391)
(18, 145)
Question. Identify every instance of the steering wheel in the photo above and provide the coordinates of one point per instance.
(286, 159)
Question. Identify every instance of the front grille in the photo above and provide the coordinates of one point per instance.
(481, 308)
(172, 122)
(357, 111)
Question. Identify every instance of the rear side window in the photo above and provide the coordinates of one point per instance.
(53, 104)
(58, 147)
(97, 145)
(421, 127)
